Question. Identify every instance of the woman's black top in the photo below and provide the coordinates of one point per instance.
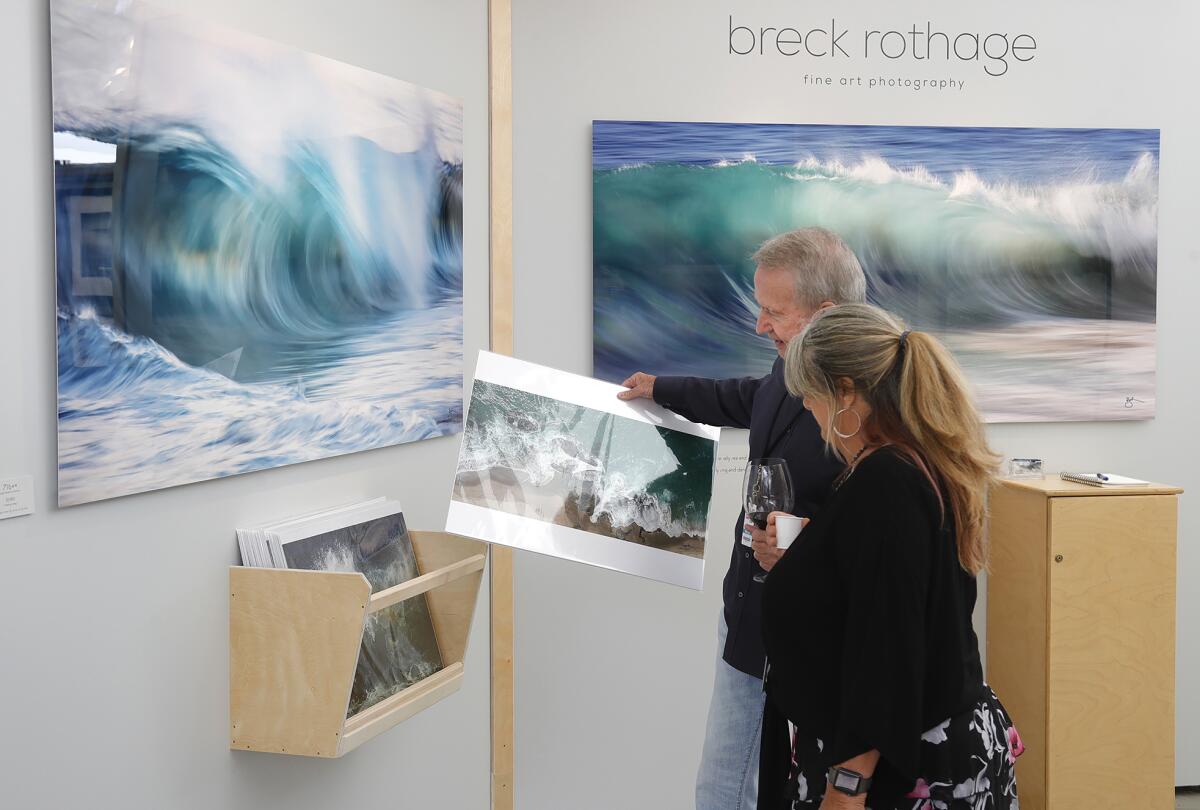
(867, 626)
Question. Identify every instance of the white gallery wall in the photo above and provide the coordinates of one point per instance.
(614, 673)
(114, 615)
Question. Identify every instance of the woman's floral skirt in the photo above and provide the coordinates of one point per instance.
(968, 763)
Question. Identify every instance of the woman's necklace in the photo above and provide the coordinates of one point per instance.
(846, 473)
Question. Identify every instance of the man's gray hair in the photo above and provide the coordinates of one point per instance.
(823, 266)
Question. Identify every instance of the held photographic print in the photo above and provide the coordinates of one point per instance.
(259, 253)
(555, 463)
(1033, 253)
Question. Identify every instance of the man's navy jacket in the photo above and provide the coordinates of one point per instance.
(780, 427)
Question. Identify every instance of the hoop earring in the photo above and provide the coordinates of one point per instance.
(852, 434)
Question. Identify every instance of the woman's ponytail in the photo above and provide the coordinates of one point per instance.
(919, 401)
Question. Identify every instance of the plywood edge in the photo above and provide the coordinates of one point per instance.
(451, 605)
(431, 547)
(500, 115)
(1054, 487)
(436, 550)
(503, 703)
(1048, 539)
(425, 583)
(452, 608)
(294, 638)
(500, 257)
(1017, 605)
(399, 707)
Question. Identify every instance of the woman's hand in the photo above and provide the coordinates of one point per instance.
(765, 544)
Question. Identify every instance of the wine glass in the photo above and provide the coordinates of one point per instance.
(766, 488)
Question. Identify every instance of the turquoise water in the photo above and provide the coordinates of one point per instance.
(985, 236)
(627, 471)
(259, 253)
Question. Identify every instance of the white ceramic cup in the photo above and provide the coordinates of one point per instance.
(787, 529)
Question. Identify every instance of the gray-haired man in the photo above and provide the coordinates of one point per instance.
(797, 274)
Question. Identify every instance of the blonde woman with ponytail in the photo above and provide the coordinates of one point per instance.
(875, 690)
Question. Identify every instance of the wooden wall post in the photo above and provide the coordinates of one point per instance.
(500, 217)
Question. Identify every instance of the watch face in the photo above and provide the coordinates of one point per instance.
(845, 782)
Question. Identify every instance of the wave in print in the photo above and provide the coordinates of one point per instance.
(602, 462)
(673, 280)
(346, 232)
(134, 417)
(388, 659)
(226, 203)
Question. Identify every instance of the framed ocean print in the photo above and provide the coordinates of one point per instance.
(259, 253)
(1031, 252)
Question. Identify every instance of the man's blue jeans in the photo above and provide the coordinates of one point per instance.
(728, 776)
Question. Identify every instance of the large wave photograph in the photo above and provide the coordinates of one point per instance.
(259, 253)
(1031, 252)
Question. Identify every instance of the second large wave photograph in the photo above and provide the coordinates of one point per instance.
(1032, 253)
(259, 253)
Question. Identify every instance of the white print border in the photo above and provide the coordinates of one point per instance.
(582, 391)
(576, 545)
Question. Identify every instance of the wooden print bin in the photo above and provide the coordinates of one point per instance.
(294, 638)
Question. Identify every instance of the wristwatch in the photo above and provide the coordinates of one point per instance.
(844, 780)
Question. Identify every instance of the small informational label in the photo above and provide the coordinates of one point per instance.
(732, 463)
(16, 496)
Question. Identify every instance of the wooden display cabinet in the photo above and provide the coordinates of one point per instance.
(1081, 640)
(294, 638)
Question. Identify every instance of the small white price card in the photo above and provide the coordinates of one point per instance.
(16, 496)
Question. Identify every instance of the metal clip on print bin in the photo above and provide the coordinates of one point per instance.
(294, 639)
